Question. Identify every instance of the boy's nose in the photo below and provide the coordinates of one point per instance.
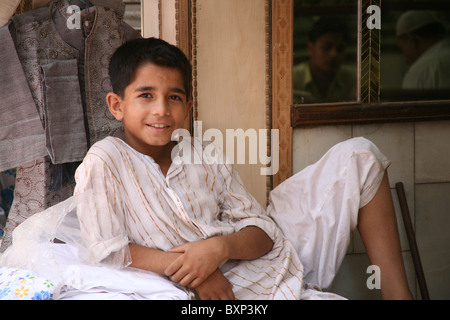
(161, 108)
(334, 52)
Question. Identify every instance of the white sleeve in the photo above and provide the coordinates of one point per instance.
(102, 222)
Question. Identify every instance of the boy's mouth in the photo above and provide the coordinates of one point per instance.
(159, 126)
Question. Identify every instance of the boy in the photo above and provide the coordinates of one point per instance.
(325, 77)
(182, 221)
(196, 223)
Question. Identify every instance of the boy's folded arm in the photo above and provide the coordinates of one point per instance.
(200, 259)
(149, 259)
(215, 287)
(247, 244)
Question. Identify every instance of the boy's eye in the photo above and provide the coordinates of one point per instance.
(327, 47)
(145, 95)
(175, 97)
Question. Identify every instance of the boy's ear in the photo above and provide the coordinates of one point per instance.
(189, 105)
(115, 105)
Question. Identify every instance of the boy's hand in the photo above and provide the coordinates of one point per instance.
(198, 261)
(215, 287)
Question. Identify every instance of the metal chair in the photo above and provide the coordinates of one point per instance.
(412, 241)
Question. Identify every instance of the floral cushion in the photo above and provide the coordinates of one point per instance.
(18, 284)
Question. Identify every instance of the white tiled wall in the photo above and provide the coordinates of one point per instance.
(420, 156)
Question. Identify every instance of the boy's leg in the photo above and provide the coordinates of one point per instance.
(319, 207)
(377, 226)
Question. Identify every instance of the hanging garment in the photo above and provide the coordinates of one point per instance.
(22, 136)
(66, 71)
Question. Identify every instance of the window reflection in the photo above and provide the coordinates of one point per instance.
(325, 48)
(415, 52)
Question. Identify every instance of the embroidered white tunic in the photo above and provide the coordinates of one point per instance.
(192, 202)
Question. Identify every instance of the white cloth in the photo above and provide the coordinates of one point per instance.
(318, 207)
(65, 267)
(87, 282)
(431, 70)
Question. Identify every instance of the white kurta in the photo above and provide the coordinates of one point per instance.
(192, 202)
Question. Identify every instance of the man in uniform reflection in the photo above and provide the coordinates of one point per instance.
(324, 78)
(423, 40)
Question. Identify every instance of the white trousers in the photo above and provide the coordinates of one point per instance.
(318, 207)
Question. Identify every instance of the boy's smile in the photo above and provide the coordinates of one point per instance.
(153, 106)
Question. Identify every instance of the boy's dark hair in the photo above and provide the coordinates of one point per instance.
(132, 54)
(329, 24)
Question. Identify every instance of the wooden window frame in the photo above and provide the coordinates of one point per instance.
(368, 109)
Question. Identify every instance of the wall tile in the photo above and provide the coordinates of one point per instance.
(433, 236)
(432, 151)
(310, 144)
(351, 280)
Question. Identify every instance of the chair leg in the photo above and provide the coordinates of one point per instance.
(412, 241)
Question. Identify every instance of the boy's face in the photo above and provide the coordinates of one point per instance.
(154, 105)
(327, 53)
